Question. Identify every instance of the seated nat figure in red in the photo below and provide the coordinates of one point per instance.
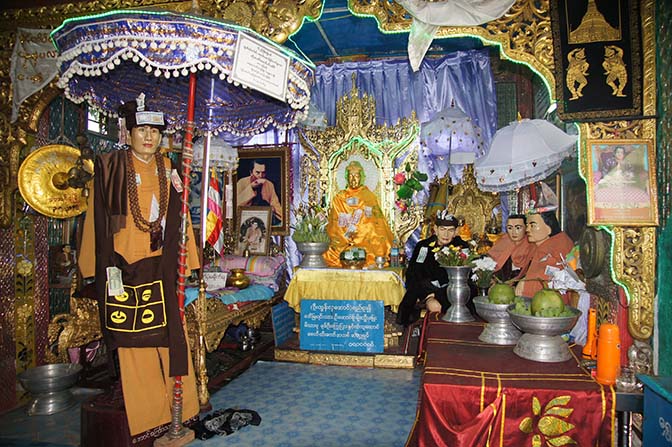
(511, 252)
(550, 248)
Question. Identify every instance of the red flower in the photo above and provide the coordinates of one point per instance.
(399, 178)
(401, 205)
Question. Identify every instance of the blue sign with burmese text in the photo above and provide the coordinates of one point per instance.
(342, 325)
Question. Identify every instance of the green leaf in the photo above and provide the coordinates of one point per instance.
(404, 192)
(413, 184)
(420, 176)
(408, 167)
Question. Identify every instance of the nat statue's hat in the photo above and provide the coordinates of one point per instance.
(445, 219)
(135, 114)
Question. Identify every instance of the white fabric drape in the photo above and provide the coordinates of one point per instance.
(429, 15)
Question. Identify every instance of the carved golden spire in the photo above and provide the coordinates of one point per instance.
(593, 27)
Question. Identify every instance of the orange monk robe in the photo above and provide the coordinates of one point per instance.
(505, 248)
(145, 383)
(549, 253)
(357, 209)
(132, 243)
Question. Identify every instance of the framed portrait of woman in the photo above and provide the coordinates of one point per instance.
(621, 182)
(254, 230)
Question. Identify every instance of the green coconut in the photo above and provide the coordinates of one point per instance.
(547, 303)
(501, 293)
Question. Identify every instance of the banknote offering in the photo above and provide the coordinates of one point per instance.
(115, 285)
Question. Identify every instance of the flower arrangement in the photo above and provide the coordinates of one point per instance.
(409, 184)
(452, 256)
(353, 254)
(482, 269)
(311, 224)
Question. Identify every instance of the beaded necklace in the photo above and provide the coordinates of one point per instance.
(154, 228)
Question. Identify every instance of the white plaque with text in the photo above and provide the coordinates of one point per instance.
(259, 65)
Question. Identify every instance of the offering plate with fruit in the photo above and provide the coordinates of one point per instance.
(492, 308)
(543, 320)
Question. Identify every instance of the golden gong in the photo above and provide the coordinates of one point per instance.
(43, 181)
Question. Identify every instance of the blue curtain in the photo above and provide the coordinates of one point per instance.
(463, 76)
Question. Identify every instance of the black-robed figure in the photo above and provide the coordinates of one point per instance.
(426, 280)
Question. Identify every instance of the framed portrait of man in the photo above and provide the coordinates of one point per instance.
(262, 179)
(253, 230)
(621, 182)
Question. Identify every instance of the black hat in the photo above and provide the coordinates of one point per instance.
(135, 114)
(445, 219)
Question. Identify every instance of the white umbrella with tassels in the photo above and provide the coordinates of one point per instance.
(521, 153)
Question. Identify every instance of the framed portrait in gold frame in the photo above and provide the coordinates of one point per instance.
(263, 179)
(621, 186)
(254, 230)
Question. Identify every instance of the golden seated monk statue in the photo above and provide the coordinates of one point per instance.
(356, 220)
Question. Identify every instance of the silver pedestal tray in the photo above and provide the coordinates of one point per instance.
(312, 253)
(50, 387)
(499, 330)
(542, 341)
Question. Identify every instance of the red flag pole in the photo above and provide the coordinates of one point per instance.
(178, 434)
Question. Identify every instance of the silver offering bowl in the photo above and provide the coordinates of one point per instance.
(50, 387)
(499, 330)
(541, 340)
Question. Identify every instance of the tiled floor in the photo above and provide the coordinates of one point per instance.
(300, 406)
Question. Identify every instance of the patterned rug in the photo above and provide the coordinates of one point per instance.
(299, 405)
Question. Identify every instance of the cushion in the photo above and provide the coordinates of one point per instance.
(262, 266)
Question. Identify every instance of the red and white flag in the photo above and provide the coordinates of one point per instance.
(214, 224)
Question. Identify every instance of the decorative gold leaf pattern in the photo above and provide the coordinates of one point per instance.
(563, 412)
(553, 426)
(526, 425)
(560, 400)
(560, 441)
(536, 406)
(536, 441)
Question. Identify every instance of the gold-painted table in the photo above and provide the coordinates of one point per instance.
(386, 285)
